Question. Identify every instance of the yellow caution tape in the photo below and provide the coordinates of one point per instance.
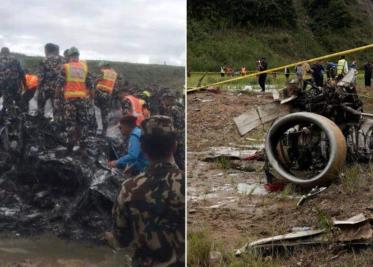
(350, 51)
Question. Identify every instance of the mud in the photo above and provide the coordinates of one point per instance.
(232, 218)
(47, 250)
(210, 118)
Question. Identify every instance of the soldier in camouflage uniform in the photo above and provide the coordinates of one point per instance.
(66, 56)
(154, 99)
(106, 83)
(51, 81)
(12, 79)
(77, 99)
(170, 108)
(125, 103)
(149, 214)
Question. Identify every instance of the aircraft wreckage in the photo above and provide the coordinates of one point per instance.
(314, 132)
(45, 188)
(309, 146)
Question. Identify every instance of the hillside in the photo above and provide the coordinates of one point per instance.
(283, 31)
(136, 74)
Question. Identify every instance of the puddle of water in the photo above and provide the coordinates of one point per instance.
(251, 189)
(48, 250)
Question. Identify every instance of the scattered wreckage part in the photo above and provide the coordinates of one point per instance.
(337, 148)
(260, 115)
(355, 232)
(360, 141)
(314, 191)
(279, 240)
(356, 112)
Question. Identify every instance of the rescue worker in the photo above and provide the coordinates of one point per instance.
(262, 66)
(146, 110)
(176, 113)
(149, 213)
(331, 71)
(12, 79)
(229, 70)
(154, 99)
(134, 161)
(144, 97)
(368, 69)
(77, 90)
(51, 81)
(32, 82)
(318, 73)
(307, 75)
(353, 67)
(299, 74)
(342, 68)
(105, 85)
(287, 74)
(222, 72)
(243, 71)
(132, 105)
(66, 56)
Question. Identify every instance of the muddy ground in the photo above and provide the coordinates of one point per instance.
(230, 219)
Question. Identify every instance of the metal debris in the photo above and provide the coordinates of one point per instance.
(314, 191)
(229, 152)
(260, 115)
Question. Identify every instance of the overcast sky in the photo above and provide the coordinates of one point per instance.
(140, 31)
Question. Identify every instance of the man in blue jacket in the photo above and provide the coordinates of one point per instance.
(134, 161)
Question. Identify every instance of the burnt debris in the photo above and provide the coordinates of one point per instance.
(46, 188)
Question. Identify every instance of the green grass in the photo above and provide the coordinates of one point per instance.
(247, 259)
(199, 247)
(324, 221)
(355, 177)
(220, 34)
(224, 163)
(288, 190)
(141, 75)
(279, 81)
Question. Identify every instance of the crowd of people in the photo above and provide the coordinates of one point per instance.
(305, 73)
(149, 213)
(261, 65)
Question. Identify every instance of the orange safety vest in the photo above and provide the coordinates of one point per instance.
(146, 112)
(107, 82)
(136, 108)
(76, 74)
(32, 81)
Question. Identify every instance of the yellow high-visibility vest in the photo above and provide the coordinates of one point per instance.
(341, 66)
(107, 82)
(75, 87)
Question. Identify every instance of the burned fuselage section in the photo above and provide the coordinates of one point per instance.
(46, 188)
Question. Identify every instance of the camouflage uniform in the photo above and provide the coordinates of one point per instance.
(176, 112)
(77, 114)
(156, 95)
(149, 213)
(103, 101)
(51, 85)
(126, 107)
(11, 78)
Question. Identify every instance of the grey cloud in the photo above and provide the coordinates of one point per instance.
(123, 30)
